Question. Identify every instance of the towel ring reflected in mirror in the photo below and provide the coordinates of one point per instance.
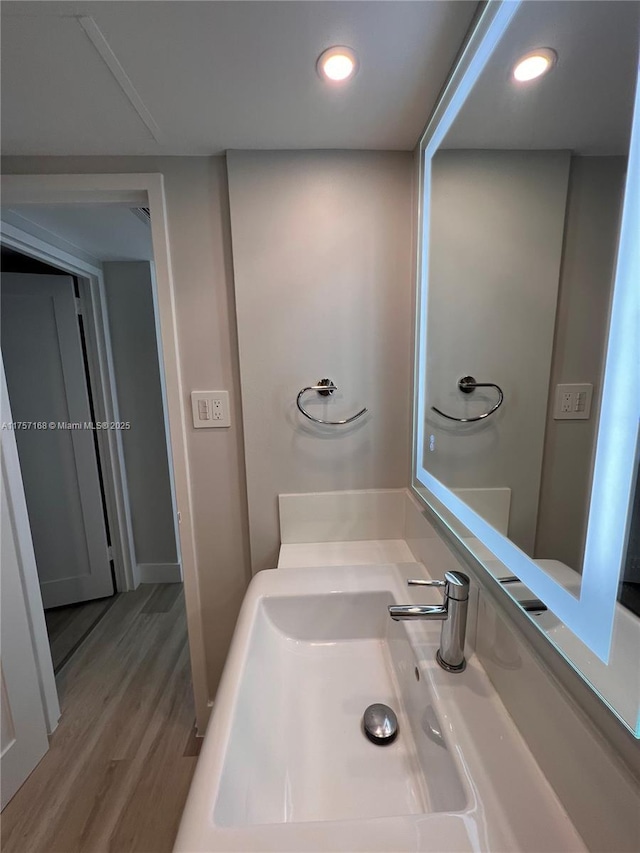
(467, 385)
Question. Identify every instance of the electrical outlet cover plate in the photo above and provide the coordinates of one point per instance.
(573, 402)
(210, 409)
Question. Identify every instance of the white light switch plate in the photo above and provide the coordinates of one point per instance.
(573, 402)
(210, 409)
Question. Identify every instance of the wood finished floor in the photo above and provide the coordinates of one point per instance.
(121, 760)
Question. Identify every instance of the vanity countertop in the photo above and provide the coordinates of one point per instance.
(365, 552)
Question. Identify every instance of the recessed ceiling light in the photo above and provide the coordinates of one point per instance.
(534, 64)
(337, 64)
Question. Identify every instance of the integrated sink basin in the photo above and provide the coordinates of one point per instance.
(286, 765)
(297, 751)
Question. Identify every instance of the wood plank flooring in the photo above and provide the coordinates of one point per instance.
(121, 760)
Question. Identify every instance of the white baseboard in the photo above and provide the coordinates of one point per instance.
(159, 572)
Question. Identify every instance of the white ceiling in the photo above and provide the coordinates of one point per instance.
(197, 78)
(95, 232)
(585, 104)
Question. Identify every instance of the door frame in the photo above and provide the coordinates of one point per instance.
(103, 392)
(142, 190)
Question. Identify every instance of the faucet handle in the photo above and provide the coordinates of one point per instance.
(456, 585)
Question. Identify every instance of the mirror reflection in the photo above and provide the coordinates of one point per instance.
(526, 198)
(524, 216)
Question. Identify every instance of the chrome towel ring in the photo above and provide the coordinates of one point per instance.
(468, 384)
(325, 388)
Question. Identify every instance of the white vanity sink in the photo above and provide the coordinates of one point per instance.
(314, 663)
(286, 766)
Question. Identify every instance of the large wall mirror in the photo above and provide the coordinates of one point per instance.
(528, 355)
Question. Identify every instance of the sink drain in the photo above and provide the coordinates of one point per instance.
(380, 724)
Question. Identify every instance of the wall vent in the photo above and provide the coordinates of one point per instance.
(142, 213)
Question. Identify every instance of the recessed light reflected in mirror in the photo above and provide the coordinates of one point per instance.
(534, 64)
(337, 64)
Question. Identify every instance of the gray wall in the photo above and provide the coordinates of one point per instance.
(496, 230)
(596, 188)
(322, 254)
(128, 287)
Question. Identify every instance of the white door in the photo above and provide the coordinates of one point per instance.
(44, 365)
(23, 728)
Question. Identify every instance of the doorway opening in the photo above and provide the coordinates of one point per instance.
(128, 692)
(96, 536)
(72, 613)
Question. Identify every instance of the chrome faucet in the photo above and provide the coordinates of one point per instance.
(452, 613)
